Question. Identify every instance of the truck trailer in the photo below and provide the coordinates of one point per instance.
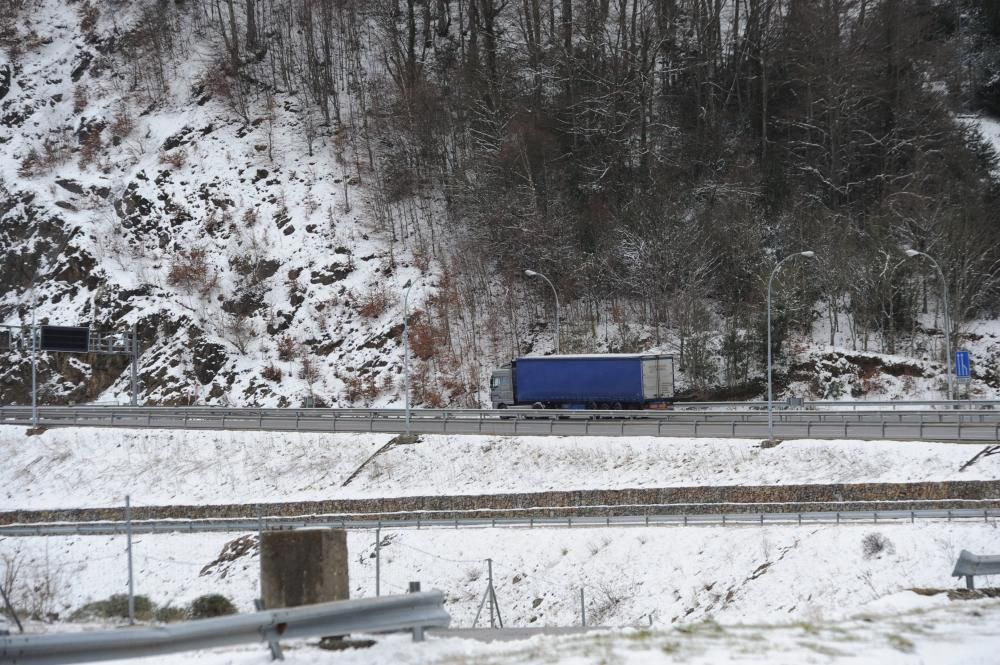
(588, 381)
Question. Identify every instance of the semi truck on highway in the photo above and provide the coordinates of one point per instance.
(587, 381)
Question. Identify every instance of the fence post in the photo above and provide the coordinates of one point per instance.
(378, 560)
(583, 610)
(131, 588)
(492, 601)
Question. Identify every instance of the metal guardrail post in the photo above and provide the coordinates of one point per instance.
(270, 634)
(418, 631)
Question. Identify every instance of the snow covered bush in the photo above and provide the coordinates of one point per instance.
(874, 545)
(211, 605)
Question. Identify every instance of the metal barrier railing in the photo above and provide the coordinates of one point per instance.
(410, 612)
(940, 425)
(642, 517)
(969, 565)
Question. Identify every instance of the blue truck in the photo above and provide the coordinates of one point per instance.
(587, 381)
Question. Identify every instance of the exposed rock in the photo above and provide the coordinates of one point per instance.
(5, 76)
(334, 272)
(246, 303)
(208, 359)
(82, 63)
(70, 185)
(176, 140)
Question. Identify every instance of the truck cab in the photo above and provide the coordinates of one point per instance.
(502, 387)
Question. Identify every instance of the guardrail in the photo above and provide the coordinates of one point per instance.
(969, 565)
(413, 612)
(415, 521)
(932, 425)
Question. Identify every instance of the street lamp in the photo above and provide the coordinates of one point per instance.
(770, 405)
(532, 273)
(34, 363)
(406, 352)
(947, 317)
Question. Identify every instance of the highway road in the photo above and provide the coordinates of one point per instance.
(973, 425)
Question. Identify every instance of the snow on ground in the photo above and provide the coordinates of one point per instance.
(629, 575)
(959, 633)
(80, 467)
(714, 594)
(707, 590)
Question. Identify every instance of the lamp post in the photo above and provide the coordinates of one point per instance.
(34, 365)
(770, 398)
(947, 317)
(532, 273)
(406, 352)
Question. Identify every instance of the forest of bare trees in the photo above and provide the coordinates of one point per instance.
(654, 158)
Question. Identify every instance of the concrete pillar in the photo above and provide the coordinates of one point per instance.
(303, 567)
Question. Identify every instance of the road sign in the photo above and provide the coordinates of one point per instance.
(65, 338)
(962, 365)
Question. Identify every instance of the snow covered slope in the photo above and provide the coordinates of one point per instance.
(230, 244)
(746, 574)
(66, 468)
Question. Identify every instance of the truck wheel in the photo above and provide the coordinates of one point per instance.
(617, 406)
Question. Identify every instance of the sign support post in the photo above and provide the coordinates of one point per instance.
(963, 369)
(135, 367)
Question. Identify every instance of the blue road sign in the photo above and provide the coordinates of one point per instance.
(962, 366)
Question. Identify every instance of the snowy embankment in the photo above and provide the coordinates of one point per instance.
(797, 578)
(75, 468)
(629, 575)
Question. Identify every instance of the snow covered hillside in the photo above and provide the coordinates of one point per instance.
(672, 574)
(249, 261)
(743, 574)
(258, 226)
(76, 468)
